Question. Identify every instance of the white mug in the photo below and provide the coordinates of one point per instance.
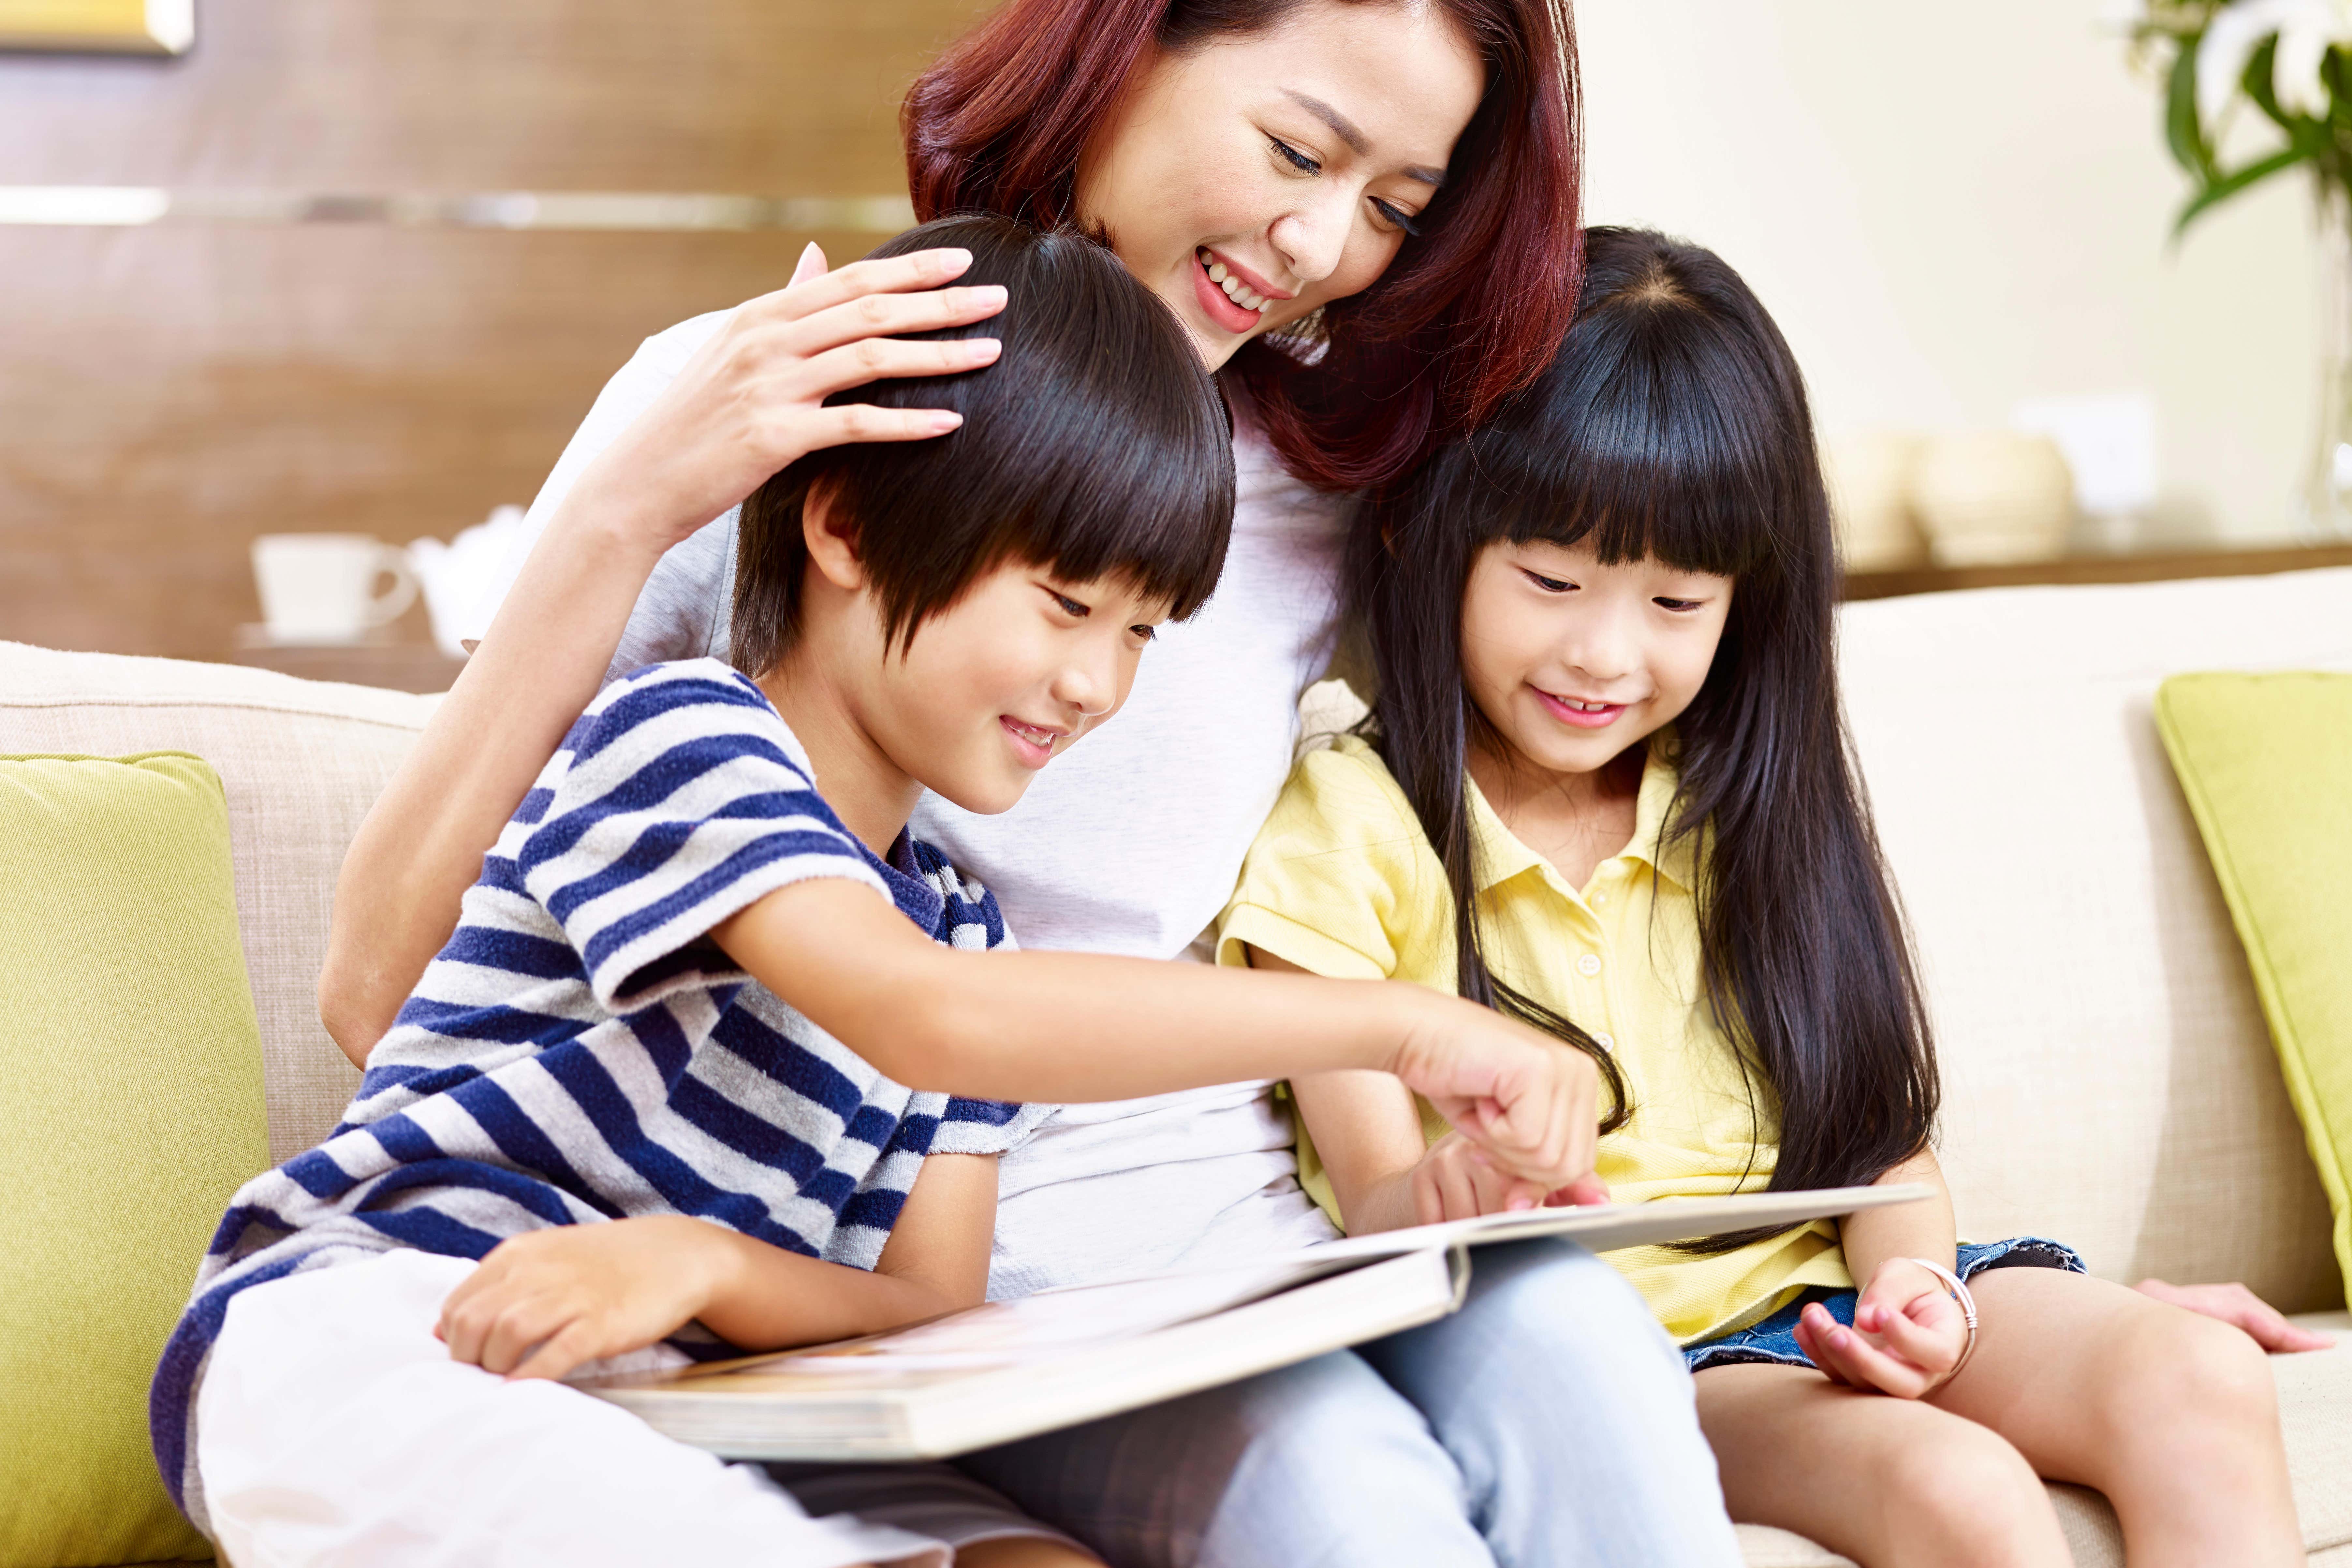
(321, 587)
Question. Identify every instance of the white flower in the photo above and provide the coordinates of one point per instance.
(2305, 30)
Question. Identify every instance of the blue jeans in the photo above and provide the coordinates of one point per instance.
(1775, 1338)
(1549, 1424)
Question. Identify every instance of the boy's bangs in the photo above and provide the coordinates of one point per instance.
(1137, 504)
(1096, 446)
(1648, 455)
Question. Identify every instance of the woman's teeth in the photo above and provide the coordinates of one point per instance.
(1043, 739)
(1248, 299)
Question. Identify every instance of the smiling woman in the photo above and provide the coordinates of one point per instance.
(1295, 203)
(1363, 211)
(1297, 145)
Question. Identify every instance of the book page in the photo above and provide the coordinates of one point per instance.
(1607, 1227)
(1054, 1322)
(1000, 1333)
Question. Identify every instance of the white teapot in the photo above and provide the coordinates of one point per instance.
(457, 575)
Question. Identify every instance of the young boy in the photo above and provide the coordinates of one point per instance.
(650, 1103)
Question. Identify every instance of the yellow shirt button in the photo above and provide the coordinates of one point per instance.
(1606, 1042)
(1589, 965)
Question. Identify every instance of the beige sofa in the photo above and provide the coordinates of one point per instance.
(2108, 1079)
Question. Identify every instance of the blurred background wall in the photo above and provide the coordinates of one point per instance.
(1953, 211)
(1956, 210)
(167, 392)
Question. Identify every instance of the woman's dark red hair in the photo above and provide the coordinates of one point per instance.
(1467, 313)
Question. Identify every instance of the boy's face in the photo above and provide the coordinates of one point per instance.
(1007, 678)
(1574, 661)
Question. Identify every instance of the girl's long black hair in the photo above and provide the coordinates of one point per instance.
(1673, 423)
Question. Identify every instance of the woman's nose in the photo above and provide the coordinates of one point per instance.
(1311, 239)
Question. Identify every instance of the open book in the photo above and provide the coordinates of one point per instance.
(1009, 1370)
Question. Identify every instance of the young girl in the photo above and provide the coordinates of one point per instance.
(1604, 788)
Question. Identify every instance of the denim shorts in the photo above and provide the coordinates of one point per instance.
(1775, 1338)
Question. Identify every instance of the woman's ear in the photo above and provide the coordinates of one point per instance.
(826, 530)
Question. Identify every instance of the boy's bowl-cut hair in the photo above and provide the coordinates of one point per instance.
(1096, 446)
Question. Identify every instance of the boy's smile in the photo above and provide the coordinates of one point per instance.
(1032, 744)
(971, 705)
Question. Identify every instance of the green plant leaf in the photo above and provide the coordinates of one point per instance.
(2182, 134)
(2259, 82)
(2224, 187)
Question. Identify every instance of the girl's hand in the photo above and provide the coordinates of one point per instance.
(545, 1301)
(1907, 1337)
(1455, 1180)
(1529, 1103)
(752, 399)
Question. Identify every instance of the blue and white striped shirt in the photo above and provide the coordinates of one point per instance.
(581, 1050)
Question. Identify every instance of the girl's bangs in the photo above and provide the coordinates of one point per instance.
(1670, 447)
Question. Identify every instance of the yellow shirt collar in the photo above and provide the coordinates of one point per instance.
(1501, 855)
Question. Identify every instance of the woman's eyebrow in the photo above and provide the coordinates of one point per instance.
(1348, 132)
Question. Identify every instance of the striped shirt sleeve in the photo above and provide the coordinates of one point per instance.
(681, 798)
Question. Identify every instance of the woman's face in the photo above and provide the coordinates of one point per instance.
(1261, 176)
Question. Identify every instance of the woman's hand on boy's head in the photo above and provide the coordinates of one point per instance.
(547, 1301)
(751, 400)
(1907, 1337)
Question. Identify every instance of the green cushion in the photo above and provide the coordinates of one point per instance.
(2266, 761)
(130, 1108)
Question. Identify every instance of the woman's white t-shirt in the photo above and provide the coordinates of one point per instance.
(1129, 842)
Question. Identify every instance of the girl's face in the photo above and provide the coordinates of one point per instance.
(1573, 662)
(1257, 177)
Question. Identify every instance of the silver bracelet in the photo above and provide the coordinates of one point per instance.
(1959, 1291)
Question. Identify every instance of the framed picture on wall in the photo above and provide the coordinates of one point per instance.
(99, 27)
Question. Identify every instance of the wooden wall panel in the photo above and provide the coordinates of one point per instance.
(166, 392)
(769, 97)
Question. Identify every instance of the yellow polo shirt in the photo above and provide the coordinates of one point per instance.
(1342, 881)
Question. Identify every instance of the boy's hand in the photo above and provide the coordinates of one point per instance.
(548, 1301)
(1907, 1337)
(1529, 1103)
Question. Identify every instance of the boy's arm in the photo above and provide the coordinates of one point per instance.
(935, 1261)
(1367, 1131)
(545, 1302)
(750, 401)
(1077, 1026)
